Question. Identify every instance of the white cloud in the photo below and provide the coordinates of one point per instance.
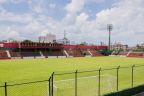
(36, 6)
(37, 9)
(3, 1)
(82, 17)
(95, 1)
(10, 1)
(11, 17)
(75, 6)
(126, 17)
(16, 1)
(52, 5)
(7, 33)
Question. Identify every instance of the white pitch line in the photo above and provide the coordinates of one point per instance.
(86, 78)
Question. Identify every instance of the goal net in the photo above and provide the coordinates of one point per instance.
(86, 86)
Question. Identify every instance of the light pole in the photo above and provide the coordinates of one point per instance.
(109, 27)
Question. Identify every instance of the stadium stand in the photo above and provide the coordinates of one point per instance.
(130, 54)
(115, 52)
(74, 52)
(136, 54)
(52, 53)
(95, 53)
(41, 50)
(15, 54)
(3, 54)
(85, 52)
(123, 53)
(78, 53)
(70, 52)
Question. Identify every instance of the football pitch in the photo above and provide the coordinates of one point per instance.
(16, 71)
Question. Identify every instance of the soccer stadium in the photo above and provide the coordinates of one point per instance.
(56, 69)
(71, 48)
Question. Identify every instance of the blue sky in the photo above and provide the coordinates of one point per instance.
(83, 20)
(54, 8)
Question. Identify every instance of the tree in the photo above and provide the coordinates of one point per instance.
(26, 41)
(84, 43)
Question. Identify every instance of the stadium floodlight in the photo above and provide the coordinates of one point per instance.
(109, 27)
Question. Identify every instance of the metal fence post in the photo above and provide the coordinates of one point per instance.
(49, 86)
(5, 88)
(118, 77)
(52, 84)
(76, 82)
(133, 75)
(99, 82)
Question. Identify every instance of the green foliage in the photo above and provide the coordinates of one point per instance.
(84, 43)
(105, 51)
(139, 50)
(27, 41)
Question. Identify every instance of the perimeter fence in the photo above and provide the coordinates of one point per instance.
(78, 83)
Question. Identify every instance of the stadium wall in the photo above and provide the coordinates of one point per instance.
(36, 49)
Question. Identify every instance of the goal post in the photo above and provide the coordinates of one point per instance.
(86, 86)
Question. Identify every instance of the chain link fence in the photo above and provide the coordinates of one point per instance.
(31, 88)
(78, 83)
(97, 82)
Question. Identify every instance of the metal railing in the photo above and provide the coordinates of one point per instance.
(78, 83)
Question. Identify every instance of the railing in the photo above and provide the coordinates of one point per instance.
(78, 83)
(22, 55)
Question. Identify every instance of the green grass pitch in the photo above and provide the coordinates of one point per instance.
(16, 71)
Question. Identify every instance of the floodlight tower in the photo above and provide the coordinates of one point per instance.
(109, 27)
